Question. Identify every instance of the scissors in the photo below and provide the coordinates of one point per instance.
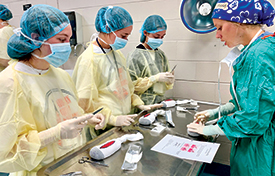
(173, 68)
(86, 159)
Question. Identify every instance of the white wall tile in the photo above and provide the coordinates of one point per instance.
(52, 3)
(167, 9)
(197, 50)
(170, 49)
(135, 35)
(177, 31)
(5, 2)
(17, 8)
(210, 37)
(88, 15)
(195, 90)
(208, 71)
(185, 70)
(15, 21)
(72, 4)
(48, 2)
(34, 2)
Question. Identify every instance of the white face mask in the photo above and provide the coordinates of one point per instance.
(4, 23)
(232, 56)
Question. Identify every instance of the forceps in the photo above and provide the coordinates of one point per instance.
(85, 159)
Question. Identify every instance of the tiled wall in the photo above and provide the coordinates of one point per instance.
(197, 55)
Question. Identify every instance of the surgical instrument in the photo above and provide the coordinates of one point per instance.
(85, 159)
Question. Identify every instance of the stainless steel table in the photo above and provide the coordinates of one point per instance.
(151, 164)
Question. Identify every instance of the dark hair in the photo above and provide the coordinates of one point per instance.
(27, 57)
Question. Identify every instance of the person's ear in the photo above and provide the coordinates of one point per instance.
(35, 36)
(145, 33)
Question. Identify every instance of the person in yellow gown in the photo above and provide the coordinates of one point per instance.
(6, 31)
(40, 119)
(147, 63)
(100, 73)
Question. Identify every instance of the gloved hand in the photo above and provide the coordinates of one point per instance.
(125, 120)
(202, 116)
(71, 128)
(98, 121)
(149, 107)
(171, 78)
(196, 127)
(64, 130)
(165, 77)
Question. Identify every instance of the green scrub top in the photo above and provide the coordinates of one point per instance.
(252, 129)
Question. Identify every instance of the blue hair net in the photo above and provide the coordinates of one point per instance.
(152, 24)
(249, 12)
(5, 13)
(40, 22)
(110, 19)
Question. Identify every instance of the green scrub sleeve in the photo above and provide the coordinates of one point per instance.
(226, 109)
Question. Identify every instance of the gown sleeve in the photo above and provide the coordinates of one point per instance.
(20, 146)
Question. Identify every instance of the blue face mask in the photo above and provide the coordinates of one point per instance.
(60, 54)
(119, 43)
(154, 43)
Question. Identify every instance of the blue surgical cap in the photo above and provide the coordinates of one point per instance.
(152, 24)
(5, 13)
(40, 22)
(112, 18)
(249, 12)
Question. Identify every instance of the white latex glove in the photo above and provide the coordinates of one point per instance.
(202, 116)
(196, 127)
(71, 128)
(125, 120)
(98, 121)
(64, 130)
(171, 78)
(165, 77)
(149, 107)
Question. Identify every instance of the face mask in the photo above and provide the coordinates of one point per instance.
(154, 43)
(60, 51)
(119, 43)
(232, 56)
(4, 23)
(60, 54)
